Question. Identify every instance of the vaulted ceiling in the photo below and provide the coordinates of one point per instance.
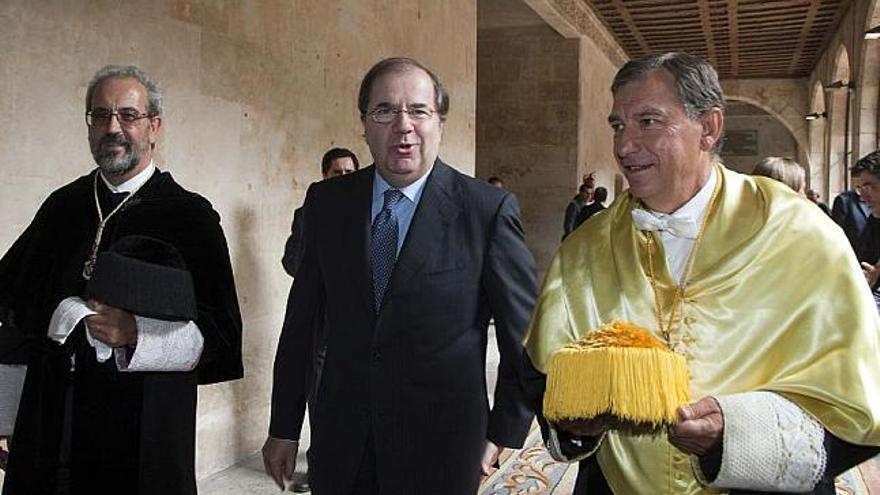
(742, 38)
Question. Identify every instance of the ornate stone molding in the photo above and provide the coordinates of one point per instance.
(573, 19)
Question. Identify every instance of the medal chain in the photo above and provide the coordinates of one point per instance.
(680, 287)
(89, 266)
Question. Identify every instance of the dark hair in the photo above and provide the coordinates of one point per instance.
(400, 64)
(600, 194)
(335, 153)
(868, 163)
(697, 81)
(495, 180)
(584, 188)
(152, 85)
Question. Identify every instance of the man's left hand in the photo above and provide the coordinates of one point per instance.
(700, 427)
(112, 326)
(490, 457)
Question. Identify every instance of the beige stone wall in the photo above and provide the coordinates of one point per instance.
(596, 144)
(256, 92)
(527, 126)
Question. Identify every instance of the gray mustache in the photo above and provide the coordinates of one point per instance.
(114, 141)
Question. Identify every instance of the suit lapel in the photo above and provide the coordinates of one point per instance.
(433, 216)
(360, 231)
(862, 207)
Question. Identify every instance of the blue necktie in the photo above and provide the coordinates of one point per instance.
(384, 245)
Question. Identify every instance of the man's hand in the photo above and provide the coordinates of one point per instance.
(490, 457)
(112, 326)
(4, 454)
(584, 427)
(872, 273)
(700, 427)
(279, 459)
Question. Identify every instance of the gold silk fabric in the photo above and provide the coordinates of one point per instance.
(776, 301)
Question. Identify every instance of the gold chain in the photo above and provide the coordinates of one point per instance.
(680, 287)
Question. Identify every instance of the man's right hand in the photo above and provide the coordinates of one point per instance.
(279, 459)
(584, 427)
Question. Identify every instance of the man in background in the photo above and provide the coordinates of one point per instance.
(849, 210)
(573, 210)
(336, 162)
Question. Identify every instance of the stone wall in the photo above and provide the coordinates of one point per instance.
(256, 92)
(527, 126)
(773, 139)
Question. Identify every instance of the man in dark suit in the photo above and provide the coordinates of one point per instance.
(849, 209)
(598, 204)
(408, 257)
(336, 162)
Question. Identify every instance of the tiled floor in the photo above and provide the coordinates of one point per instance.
(249, 478)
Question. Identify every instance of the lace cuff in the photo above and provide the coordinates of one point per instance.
(11, 382)
(162, 346)
(769, 443)
(572, 449)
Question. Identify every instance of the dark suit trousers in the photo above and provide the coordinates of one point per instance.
(366, 481)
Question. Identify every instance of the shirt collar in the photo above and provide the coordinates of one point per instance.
(696, 206)
(412, 191)
(133, 183)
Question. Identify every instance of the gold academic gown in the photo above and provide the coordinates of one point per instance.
(776, 301)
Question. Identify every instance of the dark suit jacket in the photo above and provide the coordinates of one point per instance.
(293, 248)
(851, 214)
(412, 379)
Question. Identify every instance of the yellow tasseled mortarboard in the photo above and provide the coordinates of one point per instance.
(620, 372)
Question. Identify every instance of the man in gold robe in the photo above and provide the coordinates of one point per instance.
(751, 283)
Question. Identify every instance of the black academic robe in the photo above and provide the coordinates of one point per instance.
(128, 432)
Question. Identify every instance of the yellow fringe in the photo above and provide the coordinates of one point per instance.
(642, 384)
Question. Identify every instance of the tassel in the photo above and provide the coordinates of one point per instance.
(620, 372)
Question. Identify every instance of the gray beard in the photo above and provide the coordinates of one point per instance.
(111, 165)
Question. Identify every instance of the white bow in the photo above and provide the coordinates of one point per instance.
(678, 226)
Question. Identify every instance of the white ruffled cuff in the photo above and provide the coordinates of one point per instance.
(162, 346)
(769, 443)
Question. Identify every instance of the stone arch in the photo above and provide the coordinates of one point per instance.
(836, 158)
(817, 128)
(803, 157)
(869, 88)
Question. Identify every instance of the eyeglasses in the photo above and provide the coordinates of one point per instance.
(385, 115)
(126, 117)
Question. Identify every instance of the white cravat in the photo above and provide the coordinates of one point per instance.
(677, 245)
(676, 226)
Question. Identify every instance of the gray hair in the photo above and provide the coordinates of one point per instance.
(153, 86)
(697, 81)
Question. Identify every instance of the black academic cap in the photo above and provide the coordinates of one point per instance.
(145, 276)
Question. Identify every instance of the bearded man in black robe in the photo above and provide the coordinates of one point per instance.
(109, 398)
